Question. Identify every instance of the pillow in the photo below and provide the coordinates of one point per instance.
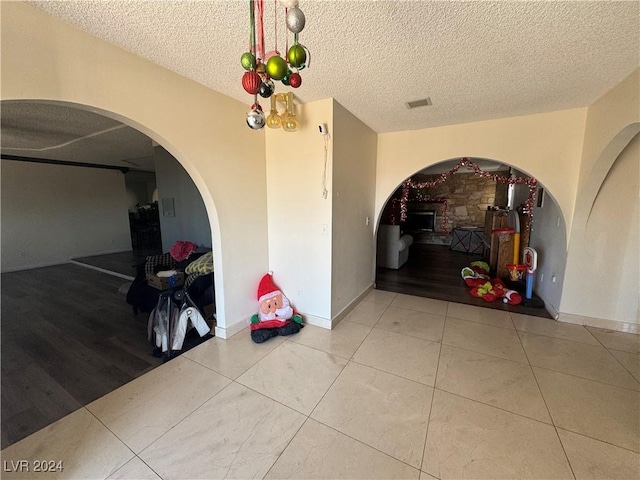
(202, 265)
(156, 263)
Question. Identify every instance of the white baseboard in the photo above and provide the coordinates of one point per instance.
(317, 321)
(230, 330)
(322, 322)
(33, 266)
(109, 272)
(625, 327)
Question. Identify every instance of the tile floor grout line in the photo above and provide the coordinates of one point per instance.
(366, 444)
(553, 422)
(186, 416)
(622, 365)
(497, 408)
(209, 368)
(327, 390)
(392, 374)
(410, 336)
(589, 379)
(557, 337)
(115, 435)
(433, 394)
(564, 451)
(148, 466)
(599, 440)
(482, 353)
(286, 446)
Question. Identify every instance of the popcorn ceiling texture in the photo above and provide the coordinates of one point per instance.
(476, 60)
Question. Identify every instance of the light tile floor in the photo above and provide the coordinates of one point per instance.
(404, 387)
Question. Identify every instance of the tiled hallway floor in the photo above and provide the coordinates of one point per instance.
(404, 387)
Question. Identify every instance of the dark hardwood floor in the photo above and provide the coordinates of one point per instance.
(68, 338)
(124, 263)
(433, 271)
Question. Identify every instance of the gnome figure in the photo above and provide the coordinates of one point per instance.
(275, 315)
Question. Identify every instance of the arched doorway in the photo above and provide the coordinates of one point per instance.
(445, 227)
(65, 195)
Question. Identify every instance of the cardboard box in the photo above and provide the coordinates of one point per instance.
(164, 283)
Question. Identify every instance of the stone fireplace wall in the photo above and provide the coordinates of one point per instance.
(468, 194)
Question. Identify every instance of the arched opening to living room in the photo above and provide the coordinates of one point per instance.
(439, 221)
(84, 192)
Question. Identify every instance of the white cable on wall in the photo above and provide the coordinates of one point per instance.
(325, 192)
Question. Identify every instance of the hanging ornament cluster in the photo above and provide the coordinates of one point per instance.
(264, 68)
(409, 185)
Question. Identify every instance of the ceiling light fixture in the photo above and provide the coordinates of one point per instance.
(286, 120)
(423, 102)
(262, 67)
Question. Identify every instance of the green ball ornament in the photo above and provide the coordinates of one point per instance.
(248, 61)
(276, 67)
(296, 55)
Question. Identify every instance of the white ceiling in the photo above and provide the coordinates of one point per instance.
(475, 60)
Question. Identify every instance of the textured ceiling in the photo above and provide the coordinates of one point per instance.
(475, 60)
(56, 132)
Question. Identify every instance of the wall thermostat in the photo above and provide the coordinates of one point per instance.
(322, 128)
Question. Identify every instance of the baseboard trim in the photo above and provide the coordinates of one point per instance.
(34, 266)
(314, 320)
(230, 330)
(103, 270)
(317, 321)
(347, 310)
(607, 324)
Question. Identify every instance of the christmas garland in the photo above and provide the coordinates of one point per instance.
(409, 185)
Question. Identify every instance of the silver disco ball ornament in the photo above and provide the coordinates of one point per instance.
(295, 20)
(256, 119)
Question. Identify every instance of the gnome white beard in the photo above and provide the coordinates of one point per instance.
(283, 313)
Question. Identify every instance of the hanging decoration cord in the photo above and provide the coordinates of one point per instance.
(325, 192)
(260, 31)
(252, 26)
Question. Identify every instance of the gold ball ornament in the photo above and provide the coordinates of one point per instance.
(276, 67)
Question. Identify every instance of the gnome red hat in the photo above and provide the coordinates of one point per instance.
(267, 289)
(512, 297)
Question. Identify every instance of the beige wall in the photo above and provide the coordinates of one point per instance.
(606, 286)
(299, 218)
(547, 146)
(46, 59)
(604, 237)
(49, 214)
(354, 176)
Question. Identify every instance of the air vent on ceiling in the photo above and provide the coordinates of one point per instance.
(423, 102)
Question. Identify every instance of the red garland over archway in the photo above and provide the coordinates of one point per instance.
(464, 162)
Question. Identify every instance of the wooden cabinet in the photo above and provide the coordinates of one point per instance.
(494, 219)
